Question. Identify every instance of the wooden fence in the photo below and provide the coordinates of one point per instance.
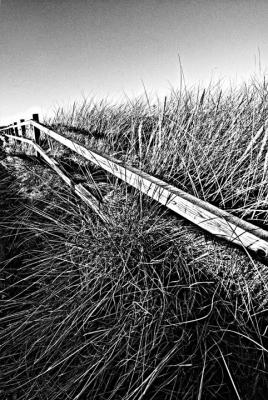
(208, 217)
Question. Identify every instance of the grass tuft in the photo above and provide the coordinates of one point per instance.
(146, 307)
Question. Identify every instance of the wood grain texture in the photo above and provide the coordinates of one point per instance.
(208, 217)
(79, 189)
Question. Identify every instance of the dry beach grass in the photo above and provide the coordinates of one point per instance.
(148, 307)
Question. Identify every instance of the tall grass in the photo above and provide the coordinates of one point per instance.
(146, 307)
(210, 143)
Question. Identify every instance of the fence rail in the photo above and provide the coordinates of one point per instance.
(208, 217)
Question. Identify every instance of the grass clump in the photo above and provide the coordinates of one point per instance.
(145, 307)
(129, 311)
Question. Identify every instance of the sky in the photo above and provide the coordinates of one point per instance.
(55, 52)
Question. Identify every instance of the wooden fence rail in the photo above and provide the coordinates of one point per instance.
(78, 189)
(206, 216)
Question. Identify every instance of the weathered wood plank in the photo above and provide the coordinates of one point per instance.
(213, 220)
(208, 217)
(79, 189)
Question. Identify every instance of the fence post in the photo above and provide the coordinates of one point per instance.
(12, 132)
(36, 133)
(16, 129)
(23, 128)
(22, 132)
(36, 130)
(15, 133)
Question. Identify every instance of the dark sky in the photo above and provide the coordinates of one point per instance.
(54, 51)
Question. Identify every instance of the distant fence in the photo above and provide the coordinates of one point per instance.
(208, 217)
